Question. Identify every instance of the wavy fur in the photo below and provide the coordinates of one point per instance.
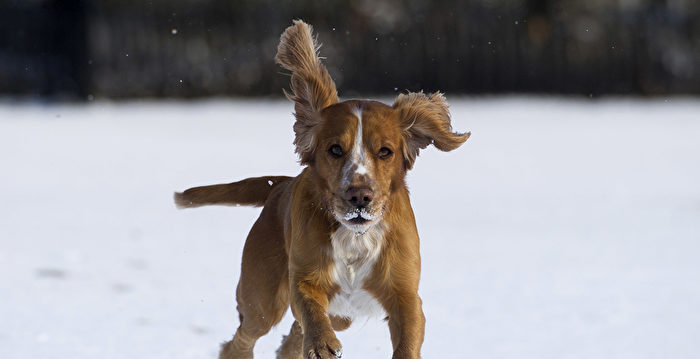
(311, 85)
(425, 120)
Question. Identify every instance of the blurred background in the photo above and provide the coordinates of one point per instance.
(567, 226)
(82, 49)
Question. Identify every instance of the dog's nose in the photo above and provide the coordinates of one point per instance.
(359, 197)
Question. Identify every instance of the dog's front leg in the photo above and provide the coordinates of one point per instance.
(406, 325)
(310, 307)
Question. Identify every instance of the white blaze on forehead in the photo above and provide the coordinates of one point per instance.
(358, 158)
(357, 151)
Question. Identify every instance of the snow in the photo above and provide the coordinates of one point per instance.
(351, 215)
(561, 229)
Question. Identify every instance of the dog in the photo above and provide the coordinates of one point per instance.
(338, 241)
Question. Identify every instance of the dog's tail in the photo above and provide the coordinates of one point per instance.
(248, 192)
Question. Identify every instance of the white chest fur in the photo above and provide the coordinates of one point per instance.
(354, 257)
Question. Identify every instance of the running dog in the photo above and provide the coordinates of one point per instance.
(339, 240)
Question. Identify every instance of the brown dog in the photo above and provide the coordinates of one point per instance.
(339, 240)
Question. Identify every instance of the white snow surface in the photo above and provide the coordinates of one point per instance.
(561, 229)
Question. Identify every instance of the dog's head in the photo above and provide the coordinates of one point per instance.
(358, 150)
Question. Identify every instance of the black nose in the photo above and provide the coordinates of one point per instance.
(359, 197)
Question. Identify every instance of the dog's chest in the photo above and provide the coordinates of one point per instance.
(354, 257)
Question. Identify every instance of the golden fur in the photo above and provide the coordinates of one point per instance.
(301, 252)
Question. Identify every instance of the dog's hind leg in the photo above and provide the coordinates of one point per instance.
(292, 344)
(263, 289)
(258, 314)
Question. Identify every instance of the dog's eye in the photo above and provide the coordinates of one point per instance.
(384, 153)
(336, 151)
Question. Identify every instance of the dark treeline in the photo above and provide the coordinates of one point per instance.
(188, 48)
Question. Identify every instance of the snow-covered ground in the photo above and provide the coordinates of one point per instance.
(561, 229)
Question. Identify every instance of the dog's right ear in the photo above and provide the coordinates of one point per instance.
(425, 120)
(312, 86)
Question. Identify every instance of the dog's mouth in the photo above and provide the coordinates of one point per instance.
(358, 215)
(358, 219)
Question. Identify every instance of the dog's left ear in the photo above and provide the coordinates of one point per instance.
(425, 120)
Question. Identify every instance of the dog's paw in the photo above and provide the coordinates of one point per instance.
(323, 347)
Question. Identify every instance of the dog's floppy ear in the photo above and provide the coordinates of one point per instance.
(312, 86)
(425, 120)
